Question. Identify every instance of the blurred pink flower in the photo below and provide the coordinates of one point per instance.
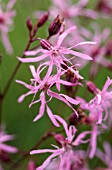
(6, 24)
(98, 51)
(99, 106)
(106, 156)
(102, 101)
(68, 10)
(4, 147)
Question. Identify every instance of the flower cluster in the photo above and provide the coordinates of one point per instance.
(55, 63)
(59, 58)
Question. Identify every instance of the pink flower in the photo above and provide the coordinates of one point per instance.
(99, 106)
(56, 54)
(93, 141)
(4, 147)
(102, 101)
(106, 156)
(66, 156)
(6, 22)
(98, 51)
(44, 85)
(73, 10)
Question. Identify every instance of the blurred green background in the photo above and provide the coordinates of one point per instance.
(18, 118)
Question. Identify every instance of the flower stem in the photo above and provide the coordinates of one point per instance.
(1, 101)
(15, 70)
(42, 139)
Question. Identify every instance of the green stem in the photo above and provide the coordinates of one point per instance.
(1, 101)
(15, 71)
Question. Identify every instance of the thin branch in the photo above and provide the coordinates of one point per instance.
(42, 139)
(15, 71)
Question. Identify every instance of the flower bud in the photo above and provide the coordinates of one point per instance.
(95, 52)
(42, 20)
(59, 139)
(74, 120)
(45, 44)
(104, 7)
(31, 165)
(29, 24)
(87, 121)
(55, 26)
(2, 20)
(4, 156)
(109, 48)
(110, 66)
(92, 87)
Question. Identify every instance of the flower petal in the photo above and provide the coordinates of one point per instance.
(7, 148)
(42, 107)
(52, 117)
(80, 55)
(30, 53)
(63, 122)
(21, 98)
(24, 84)
(84, 43)
(4, 138)
(71, 100)
(32, 60)
(63, 35)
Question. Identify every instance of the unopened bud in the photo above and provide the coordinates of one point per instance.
(4, 156)
(64, 66)
(42, 20)
(87, 120)
(45, 44)
(29, 24)
(59, 139)
(74, 120)
(104, 7)
(110, 66)
(92, 87)
(95, 52)
(31, 165)
(55, 26)
(109, 49)
(1, 20)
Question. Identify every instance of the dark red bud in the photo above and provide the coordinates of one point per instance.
(4, 156)
(104, 7)
(29, 24)
(55, 26)
(74, 120)
(42, 20)
(59, 139)
(109, 49)
(87, 120)
(110, 66)
(1, 20)
(45, 44)
(92, 87)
